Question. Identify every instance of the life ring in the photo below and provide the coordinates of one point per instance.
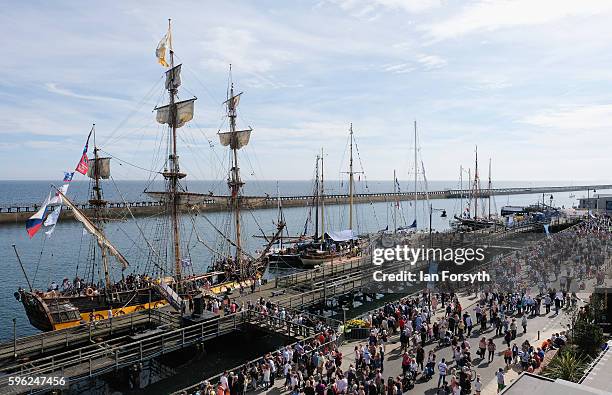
(157, 304)
(89, 291)
(119, 312)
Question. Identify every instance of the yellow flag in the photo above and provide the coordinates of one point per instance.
(160, 52)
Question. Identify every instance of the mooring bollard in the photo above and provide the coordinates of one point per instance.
(538, 335)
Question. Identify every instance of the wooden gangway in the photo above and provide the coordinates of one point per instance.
(48, 342)
(98, 358)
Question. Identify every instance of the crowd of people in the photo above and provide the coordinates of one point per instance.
(528, 283)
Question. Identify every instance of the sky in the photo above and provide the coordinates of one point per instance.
(528, 82)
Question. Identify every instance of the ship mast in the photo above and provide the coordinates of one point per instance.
(351, 181)
(415, 171)
(489, 188)
(235, 139)
(476, 186)
(461, 189)
(317, 200)
(234, 182)
(98, 202)
(322, 197)
(173, 174)
(175, 114)
(395, 203)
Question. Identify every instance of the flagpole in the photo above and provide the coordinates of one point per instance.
(170, 38)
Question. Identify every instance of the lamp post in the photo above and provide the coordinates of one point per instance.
(431, 210)
(14, 337)
(589, 205)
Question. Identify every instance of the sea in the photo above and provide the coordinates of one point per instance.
(64, 254)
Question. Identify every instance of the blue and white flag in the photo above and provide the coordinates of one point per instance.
(34, 223)
(52, 220)
(546, 230)
(186, 262)
(68, 176)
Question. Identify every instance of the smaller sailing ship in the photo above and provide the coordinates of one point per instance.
(287, 252)
(85, 299)
(328, 246)
(468, 222)
(403, 234)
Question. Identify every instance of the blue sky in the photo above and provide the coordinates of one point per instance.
(528, 81)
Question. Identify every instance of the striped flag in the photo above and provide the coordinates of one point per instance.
(83, 165)
(34, 223)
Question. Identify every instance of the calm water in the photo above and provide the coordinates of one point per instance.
(64, 254)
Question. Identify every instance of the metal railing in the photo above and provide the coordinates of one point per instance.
(48, 341)
(321, 273)
(106, 356)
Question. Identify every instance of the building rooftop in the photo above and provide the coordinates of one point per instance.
(528, 383)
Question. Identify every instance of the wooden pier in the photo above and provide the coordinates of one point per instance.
(208, 203)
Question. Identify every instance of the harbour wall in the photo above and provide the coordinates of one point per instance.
(206, 203)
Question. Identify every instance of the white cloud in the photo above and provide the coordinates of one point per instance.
(577, 118)
(488, 15)
(371, 9)
(54, 88)
(431, 62)
(400, 68)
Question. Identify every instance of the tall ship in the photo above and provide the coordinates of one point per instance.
(470, 218)
(166, 275)
(326, 245)
(92, 295)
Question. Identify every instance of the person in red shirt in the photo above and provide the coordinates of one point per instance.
(406, 361)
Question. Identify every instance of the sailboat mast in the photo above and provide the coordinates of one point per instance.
(174, 174)
(317, 199)
(461, 190)
(280, 213)
(351, 180)
(476, 187)
(489, 188)
(415, 171)
(469, 196)
(322, 197)
(97, 202)
(395, 203)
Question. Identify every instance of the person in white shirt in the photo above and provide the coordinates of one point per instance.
(477, 385)
(500, 380)
(342, 385)
(442, 368)
(223, 381)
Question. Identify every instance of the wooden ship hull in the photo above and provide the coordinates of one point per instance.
(51, 311)
(475, 223)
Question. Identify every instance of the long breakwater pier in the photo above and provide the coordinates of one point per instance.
(211, 203)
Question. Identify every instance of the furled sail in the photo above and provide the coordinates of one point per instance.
(102, 167)
(103, 242)
(233, 101)
(173, 77)
(235, 140)
(184, 113)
